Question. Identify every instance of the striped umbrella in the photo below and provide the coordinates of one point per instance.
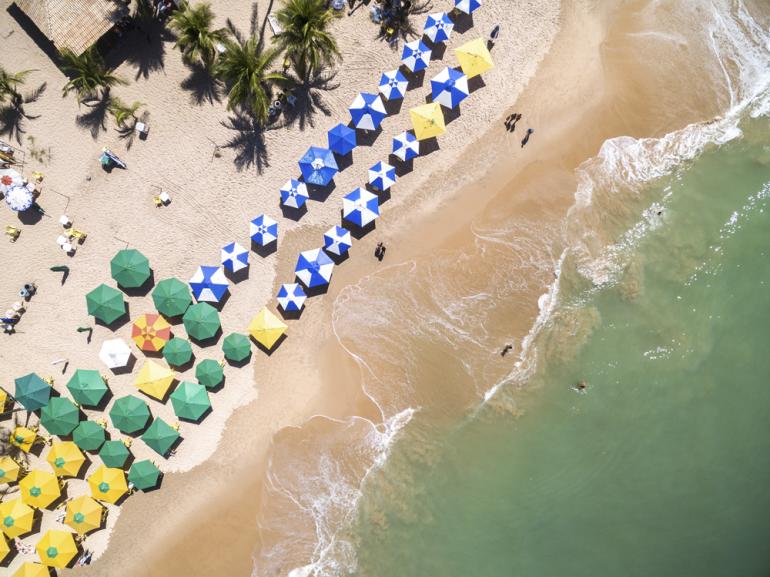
(393, 84)
(151, 332)
(115, 353)
(406, 146)
(337, 240)
(449, 87)
(314, 268)
(438, 27)
(263, 230)
(367, 111)
(360, 207)
(19, 198)
(416, 55)
(382, 176)
(234, 257)
(318, 166)
(342, 139)
(467, 6)
(291, 297)
(209, 284)
(294, 193)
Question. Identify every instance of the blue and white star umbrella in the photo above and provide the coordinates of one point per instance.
(393, 85)
(234, 257)
(19, 198)
(318, 166)
(438, 27)
(209, 284)
(360, 207)
(367, 111)
(382, 176)
(294, 193)
(314, 268)
(467, 6)
(406, 146)
(337, 240)
(291, 297)
(342, 139)
(449, 87)
(416, 55)
(263, 230)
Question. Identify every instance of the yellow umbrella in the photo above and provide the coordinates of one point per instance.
(16, 518)
(9, 470)
(154, 380)
(28, 569)
(23, 438)
(84, 514)
(39, 488)
(474, 57)
(266, 328)
(108, 484)
(57, 548)
(4, 548)
(66, 458)
(427, 120)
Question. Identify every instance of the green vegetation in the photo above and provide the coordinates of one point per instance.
(196, 39)
(88, 74)
(306, 40)
(10, 83)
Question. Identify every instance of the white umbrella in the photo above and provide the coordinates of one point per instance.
(19, 198)
(115, 353)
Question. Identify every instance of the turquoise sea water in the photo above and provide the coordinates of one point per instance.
(661, 467)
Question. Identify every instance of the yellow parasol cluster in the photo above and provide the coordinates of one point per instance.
(16, 518)
(66, 458)
(23, 438)
(9, 470)
(154, 380)
(84, 514)
(266, 328)
(57, 548)
(39, 488)
(108, 484)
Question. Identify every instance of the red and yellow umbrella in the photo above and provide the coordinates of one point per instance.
(151, 332)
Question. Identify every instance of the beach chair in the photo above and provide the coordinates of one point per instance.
(164, 197)
(78, 235)
(65, 221)
(157, 200)
(274, 24)
(12, 232)
(142, 130)
(37, 176)
(49, 380)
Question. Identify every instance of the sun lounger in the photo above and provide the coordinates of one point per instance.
(274, 25)
(68, 247)
(12, 232)
(164, 197)
(78, 235)
(65, 221)
(157, 200)
(61, 240)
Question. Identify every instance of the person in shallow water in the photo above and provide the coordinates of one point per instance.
(505, 350)
(580, 386)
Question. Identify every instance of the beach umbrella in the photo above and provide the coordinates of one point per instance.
(201, 321)
(108, 484)
(160, 436)
(23, 438)
(9, 470)
(32, 392)
(236, 347)
(9, 178)
(406, 146)
(129, 414)
(171, 297)
(190, 401)
(263, 230)
(474, 57)
(209, 284)
(367, 111)
(29, 569)
(234, 257)
(144, 475)
(114, 454)
(360, 207)
(266, 328)
(416, 55)
(314, 268)
(87, 387)
(393, 84)
(438, 27)
(318, 166)
(449, 87)
(294, 193)
(382, 176)
(105, 304)
(342, 139)
(19, 198)
(115, 353)
(39, 488)
(16, 518)
(427, 120)
(84, 514)
(65, 458)
(291, 297)
(154, 380)
(60, 416)
(57, 548)
(177, 352)
(209, 373)
(337, 240)
(151, 332)
(4, 548)
(130, 268)
(467, 6)
(89, 436)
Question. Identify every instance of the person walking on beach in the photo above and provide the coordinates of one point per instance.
(510, 122)
(526, 137)
(379, 252)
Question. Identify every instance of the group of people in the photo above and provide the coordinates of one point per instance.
(510, 126)
(12, 316)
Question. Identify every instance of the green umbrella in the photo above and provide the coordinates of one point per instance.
(129, 414)
(171, 297)
(106, 304)
(209, 373)
(144, 475)
(114, 454)
(88, 435)
(201, 321)
(160, 436)
(60, 416)
(236, 347)
(190, 401)
(130, 268)
(87, 387)
(177, 352)
(32, 392)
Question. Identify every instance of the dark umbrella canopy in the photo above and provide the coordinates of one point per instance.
(201, 321)
(209, 373)
(32, 392)
(160, 436)
(87, 387)
(171, 297)
(236, 347)
(129, 414)
(130, 268)
(105, 304)
(144, 475)
(60, 416)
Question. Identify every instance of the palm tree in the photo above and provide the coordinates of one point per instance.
(87, 74)
(305, 38)
(196, 38)
(123, 113)
(10, 82)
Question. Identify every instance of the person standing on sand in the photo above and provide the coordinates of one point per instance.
(526, 137)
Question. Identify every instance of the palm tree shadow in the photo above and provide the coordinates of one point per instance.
(94, 119)
(13, 116)
(310, 100)
(248, 142)
(128, 133)
(203, 86)
(144, 47)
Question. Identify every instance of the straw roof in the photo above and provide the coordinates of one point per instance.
(73, 24)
